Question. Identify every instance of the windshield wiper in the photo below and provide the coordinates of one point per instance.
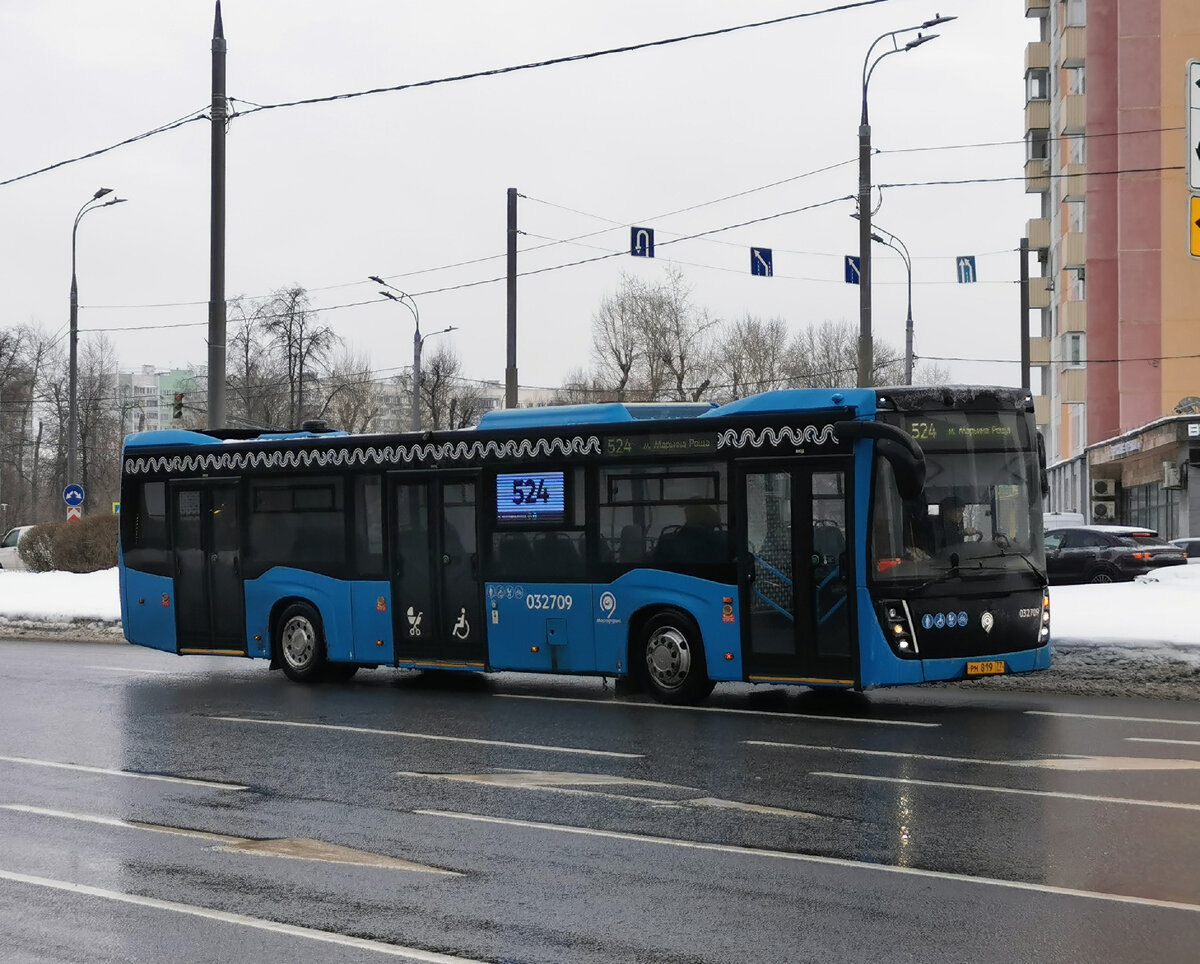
(1002, 554)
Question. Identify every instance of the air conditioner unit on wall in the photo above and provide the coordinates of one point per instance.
(1172, 475)
(1104, 510)
(1104, 488)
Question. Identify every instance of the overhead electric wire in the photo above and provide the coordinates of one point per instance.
(570, 58)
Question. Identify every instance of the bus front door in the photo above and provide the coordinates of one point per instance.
(437, 608)
(795, 574)
(210, 608)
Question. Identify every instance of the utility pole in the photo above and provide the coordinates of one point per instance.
(510, 373)
(216, 270)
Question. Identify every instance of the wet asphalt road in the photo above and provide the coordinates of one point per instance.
(552, 820)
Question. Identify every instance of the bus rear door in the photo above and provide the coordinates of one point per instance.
(210, 608)
(795, 573)
(437, 607)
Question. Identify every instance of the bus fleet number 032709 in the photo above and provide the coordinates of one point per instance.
(544, 601)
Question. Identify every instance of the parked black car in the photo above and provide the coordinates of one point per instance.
(1106, 553)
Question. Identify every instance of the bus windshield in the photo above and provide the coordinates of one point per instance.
(980, 509)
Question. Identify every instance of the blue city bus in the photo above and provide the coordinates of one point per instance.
(849, 538)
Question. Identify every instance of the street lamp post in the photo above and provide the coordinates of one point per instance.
(901, 249)
(403, 298)
(73, 338)
(865, 350)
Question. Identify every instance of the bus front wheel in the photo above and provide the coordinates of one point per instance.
(674, 659)
(301, 643)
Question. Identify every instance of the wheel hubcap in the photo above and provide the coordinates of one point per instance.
(298, 642)
(668, 658)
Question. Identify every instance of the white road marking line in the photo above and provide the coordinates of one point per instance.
(813, 859)
(1072, 763)
(432, 736)
(1092, 798)
(116, 822)
(129, 669)
(257, 923)
(122, 773)
(1147, 739)
(1118, 719)
(780, 715)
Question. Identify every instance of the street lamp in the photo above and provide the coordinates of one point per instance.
(403, 298)
(901, 249)
(870, 62)
(72, 379)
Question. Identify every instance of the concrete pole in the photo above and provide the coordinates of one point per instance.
(216, 270)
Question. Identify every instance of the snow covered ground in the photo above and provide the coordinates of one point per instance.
(1123, 639)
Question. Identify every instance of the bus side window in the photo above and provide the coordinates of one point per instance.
(368, 526)
(144, 529)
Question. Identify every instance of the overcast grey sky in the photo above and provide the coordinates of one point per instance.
(404, 184)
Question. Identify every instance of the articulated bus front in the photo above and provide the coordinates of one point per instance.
(957, 574)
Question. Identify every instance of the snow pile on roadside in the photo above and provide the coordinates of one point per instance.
(86, 604)
(1159, 610)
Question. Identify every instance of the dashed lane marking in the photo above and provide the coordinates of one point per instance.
(1146, 739)
(431, 736)
(297, 848)
(131, 669)
(132, 774)
(1088, 797)
(241, 920)
(813, 859)
(1117, 719)
(780, 715)
(1071, 763)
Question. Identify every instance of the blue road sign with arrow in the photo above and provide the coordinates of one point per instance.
(853, 269)
(641, 242)
(966, 269)
(73, 495)
(760, 262)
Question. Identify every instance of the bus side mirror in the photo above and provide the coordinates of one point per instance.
(1041, 450)
(895, 445)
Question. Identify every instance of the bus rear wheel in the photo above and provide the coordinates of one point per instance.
(674, 659)
(301, 641)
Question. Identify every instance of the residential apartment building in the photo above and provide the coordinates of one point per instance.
(1116, 306)
(147, 398)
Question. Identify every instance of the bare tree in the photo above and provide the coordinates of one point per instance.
(751, 356)
(100, 433)
(447, 400)
(353, 400)
(256, 379)
(675, 338)
(826, 356)
(304, 346)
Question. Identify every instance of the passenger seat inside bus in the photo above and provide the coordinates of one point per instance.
(556, 553)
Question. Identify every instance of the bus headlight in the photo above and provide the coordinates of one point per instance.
(896, 623)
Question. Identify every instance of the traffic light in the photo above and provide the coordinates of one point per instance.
(177, 411)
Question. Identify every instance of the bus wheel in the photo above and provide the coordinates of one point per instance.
(674, 659)
(301, 643)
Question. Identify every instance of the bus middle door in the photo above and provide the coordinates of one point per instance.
(437, 607)
(795, 572)
(210, 607)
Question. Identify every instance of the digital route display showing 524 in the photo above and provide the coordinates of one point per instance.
(531, 497)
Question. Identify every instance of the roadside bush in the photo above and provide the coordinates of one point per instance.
(84, 546)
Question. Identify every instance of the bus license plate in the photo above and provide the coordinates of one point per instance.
(986, 667)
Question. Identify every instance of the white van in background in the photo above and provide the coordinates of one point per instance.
(9, 557)
(1062, 520)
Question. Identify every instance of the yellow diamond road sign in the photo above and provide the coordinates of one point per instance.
(1194, 226)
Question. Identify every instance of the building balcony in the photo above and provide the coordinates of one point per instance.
(1074, 115)
(1041, 409)
(1074, 182)
(1039, 292)
(1072, 316)
(1037, 8)
(1039, 351)
(1037, 176)
(1037, 115)
(1072, 385)
(1073, 250)
(1073, 47)
(1037, 56)
(1037, 230)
